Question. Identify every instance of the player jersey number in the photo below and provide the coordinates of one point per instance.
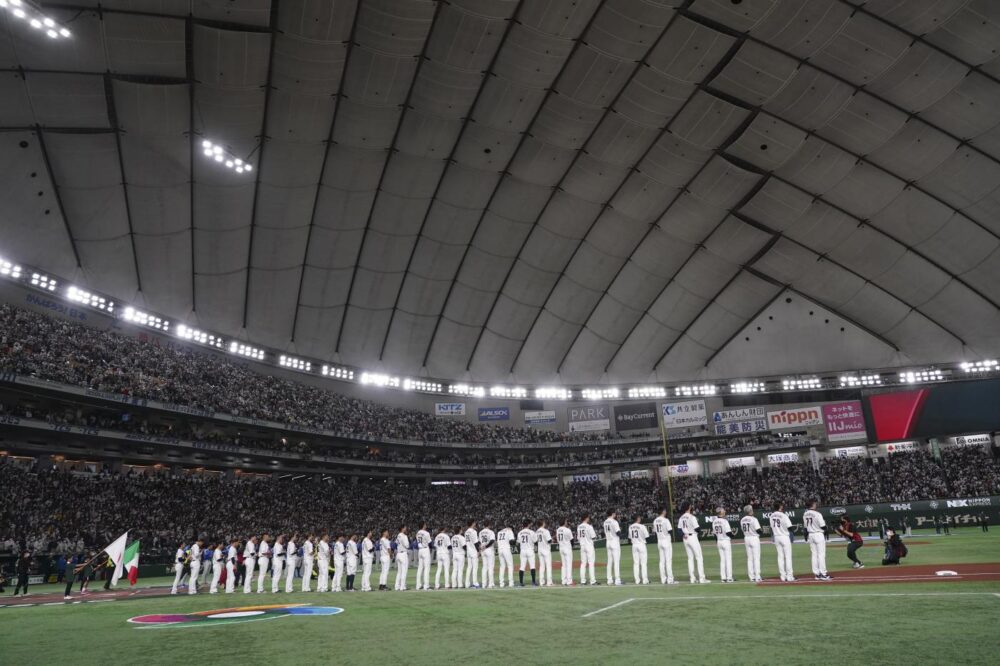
(718, 529)
(775, 523)
(634, 534)
(809, 521)
(524, 538)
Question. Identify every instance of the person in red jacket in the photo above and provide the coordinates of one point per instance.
(854, 541)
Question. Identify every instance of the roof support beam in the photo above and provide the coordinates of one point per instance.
(55, 190)
(109, 94)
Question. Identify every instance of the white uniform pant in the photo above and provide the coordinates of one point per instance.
(277, 568)
(665, 550)
(488, 558)
(471, 568)
(351, 566)
(817, 548)
(640, 564)
(383, 574)
(262, 563)
(693, 548)
(752, 544)
(566, 564)
(193, 578)
(424, 568)
(338, 574)
(783, 545)
(443, 565)
(216, 575)
(307, 573)
(614, 563)
(230, 577)
(206, 571)
(290, 564)
(322, 575)
(506, 564)
(587, 563)
(178, 574)
(544, 564)
(402, 566)
(725, 547)
(249, 564)
(457, 568)
(527, 559)
(366, 574)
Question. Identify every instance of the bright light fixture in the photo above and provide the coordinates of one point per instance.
(689, 391)
(508, 392)
(748, 387)
(989, 365)
(145, 319)
(647, 392)
(801, 384)
(87, 298)
(43, 282)
(9, 269)
(600, 393)
(336, 372)
(241, 349)
(467, 390)
(224, 157)
(379, 379)
(294, 363)
(201, 337)
(35, 17)
(421, 385)
(918, 376)
(853, 381)
(553, 393)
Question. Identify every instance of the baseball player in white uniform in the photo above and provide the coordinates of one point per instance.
(339, 559)
(423, 538)
(526, 540)
(564, 537)
(291, 561)
(217, 562)
(586, 535)
(323, 564)
(751, 529)
(544, 555)
(637, 535)
(249, 561)
(780, 524)
(487, 550)
(471, 555)
(402, 558)
(277, 563)
(816, 536)
(442, 542)
(367, 561)
(458, 558)
(179, 556)
(308, 558)
(688, 525)
(613, 543)
(664, 548)
(263, 560)
(722, 531)
(231, 562)
(195, 567)
(504, 539)
(384, 560)
(351, 561)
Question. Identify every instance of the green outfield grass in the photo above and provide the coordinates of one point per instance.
(895, 623)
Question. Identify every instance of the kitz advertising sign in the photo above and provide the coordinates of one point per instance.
(640, 416)
(449, 409)
(591, 417)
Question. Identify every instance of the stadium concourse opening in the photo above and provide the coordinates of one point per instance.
(527, 326)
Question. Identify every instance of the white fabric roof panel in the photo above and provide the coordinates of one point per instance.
(554, 186)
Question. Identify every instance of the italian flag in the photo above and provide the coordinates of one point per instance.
(131, 561)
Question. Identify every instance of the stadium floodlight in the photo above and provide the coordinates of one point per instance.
(508, 392)
(600, 393)
(217, 153)
(853, 381)
(337, 372)
(145, 319)
(43, 282)
(379, 379)
(10, 269)
(241, 349)
(691, 391)
(647, 392)
(919, 376)
(294, 363)
(808, 384)
(78, 295)
(748, 387)
(201, 337)
(36, 18)
(553, 393)
(467, 390)
(988, 365)
(421, 385)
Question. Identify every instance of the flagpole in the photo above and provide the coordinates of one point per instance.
(666, 460)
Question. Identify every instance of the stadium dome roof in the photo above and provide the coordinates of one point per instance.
(545, 190)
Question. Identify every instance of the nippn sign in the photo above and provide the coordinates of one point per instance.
(799, 417)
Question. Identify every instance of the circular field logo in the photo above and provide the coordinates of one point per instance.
(232, 615)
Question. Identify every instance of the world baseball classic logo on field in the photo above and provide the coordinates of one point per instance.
(232, 615)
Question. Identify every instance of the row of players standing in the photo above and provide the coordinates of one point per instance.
(461, 554)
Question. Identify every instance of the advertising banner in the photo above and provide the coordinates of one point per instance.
(971, 440)
(679, 470)
(540, 417)
(850, 452)
(939, 410)
(683, 414)
(449, 409)
(589, 418)
(741, 427)
(899, 447)
(741, 414)
(580, 478)
(745, 461)
(639, 416)
(844, 421)
(778, 458)
(798, 417)
(494, 413)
